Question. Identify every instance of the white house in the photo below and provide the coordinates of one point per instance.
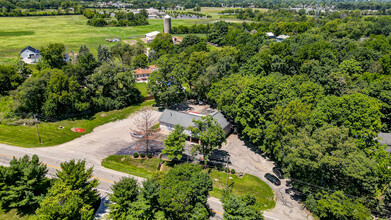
(151, 36)
(30, 55)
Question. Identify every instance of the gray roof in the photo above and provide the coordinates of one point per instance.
(385, 138)
(185, 120)
(36, 57)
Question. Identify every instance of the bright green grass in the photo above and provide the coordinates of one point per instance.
(248, 184)
(26, 136)
(71, 30)
(12, 215)
(143, 88)
(127, 164)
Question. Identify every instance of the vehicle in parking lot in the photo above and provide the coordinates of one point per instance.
(136, 135)
(278, 172)
(273, 179)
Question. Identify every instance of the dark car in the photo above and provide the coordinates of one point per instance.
(272, 179)
(278, 172)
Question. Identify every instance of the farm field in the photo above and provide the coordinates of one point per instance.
(71, 30)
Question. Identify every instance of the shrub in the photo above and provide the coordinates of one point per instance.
(226, 170)
(142, 155)
(135, 155)
(233, 171)
(220, 168)
(149, 156)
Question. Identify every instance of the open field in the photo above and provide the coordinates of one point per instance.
(14, 215)
(26, 136)
(240, 186)
(73, 31)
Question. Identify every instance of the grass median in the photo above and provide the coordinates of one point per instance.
(248, 184)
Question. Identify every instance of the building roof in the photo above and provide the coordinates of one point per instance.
(270, 34)
(185, 120)
(385, 138)
(152, 34)
(148, 70)
(167, 16)
(283, 36)
(31, 49)
(36, 57)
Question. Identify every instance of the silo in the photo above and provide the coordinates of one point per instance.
(167, 24)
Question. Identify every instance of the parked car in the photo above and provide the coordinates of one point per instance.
(273, 179)
(136, 135)
(278, 172)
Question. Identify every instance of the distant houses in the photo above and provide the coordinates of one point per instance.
(270, 35)
(279, 38)
(30, 55)
(142, 75)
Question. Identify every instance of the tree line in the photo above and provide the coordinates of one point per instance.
(103, 18)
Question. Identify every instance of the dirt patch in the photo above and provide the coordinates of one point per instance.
(130, 42)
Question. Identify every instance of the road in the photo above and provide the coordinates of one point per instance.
(108, 139)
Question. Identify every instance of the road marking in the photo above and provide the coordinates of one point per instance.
(95, 177)
(6, 155)
(216, 212)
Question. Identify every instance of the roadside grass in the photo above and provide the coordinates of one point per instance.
(248, 184)
(135, 166)
(14, 215)
(72, 30)
(26, 136)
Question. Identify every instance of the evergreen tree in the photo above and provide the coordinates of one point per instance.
(174, 143)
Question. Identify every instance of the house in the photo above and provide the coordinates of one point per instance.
(142, 75)
(170, 118)
(281, 37)
(151, 36)
(385, 138)
(30, 55)
(270, 35)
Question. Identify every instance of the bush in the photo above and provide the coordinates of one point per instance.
(142, 155)
(220, 168)
(135, 155)
(233, 171)
(149, 156)
(226, 170)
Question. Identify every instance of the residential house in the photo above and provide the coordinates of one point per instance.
(30, 55)
(270, 35)
(142, 75)
(170, 118)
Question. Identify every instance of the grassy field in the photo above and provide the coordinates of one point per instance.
(71, 30)
(240, 186)
(143, 88)
(26, 136)
(14, 216)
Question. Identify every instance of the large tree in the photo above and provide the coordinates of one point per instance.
(174, 143)
(237, 207)
(53, 55)
(210, 134)
(23, 184)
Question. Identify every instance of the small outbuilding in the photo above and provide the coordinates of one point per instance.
(150, 36)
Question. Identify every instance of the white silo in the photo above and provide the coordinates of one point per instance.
(167, 24)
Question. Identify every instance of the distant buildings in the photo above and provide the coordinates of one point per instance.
(30, 55)
(281, 37)
(270, 35)
(142, 75)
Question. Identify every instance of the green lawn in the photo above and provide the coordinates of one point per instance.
(26, 136)
(248, 184)
(71, 30)
(142, 87)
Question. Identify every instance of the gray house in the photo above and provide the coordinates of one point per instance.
(170, 118)
(385, 138)
(30, 55)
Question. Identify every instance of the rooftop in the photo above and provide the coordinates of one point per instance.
(31, 49)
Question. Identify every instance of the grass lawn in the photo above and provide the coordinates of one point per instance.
(26, 136)
(14, 216)
(142, 87)
(248, 184)
(72, 30)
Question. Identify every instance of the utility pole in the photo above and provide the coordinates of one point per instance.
(36, 125)
(227, 170)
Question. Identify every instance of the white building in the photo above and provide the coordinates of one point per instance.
(281, 37)
(30, 55)
(151, 36)
(270, 35)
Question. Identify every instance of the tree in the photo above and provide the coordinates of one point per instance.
(63, 202)
(104, 54)
(9, 79)
(162, 44)
(184, 191)
(75, 176)
(53, 55)
(141, 61)
(237, 207)
(174, 143)
(125, 193)
(145, 120)
(210, 134)
(23, 184)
